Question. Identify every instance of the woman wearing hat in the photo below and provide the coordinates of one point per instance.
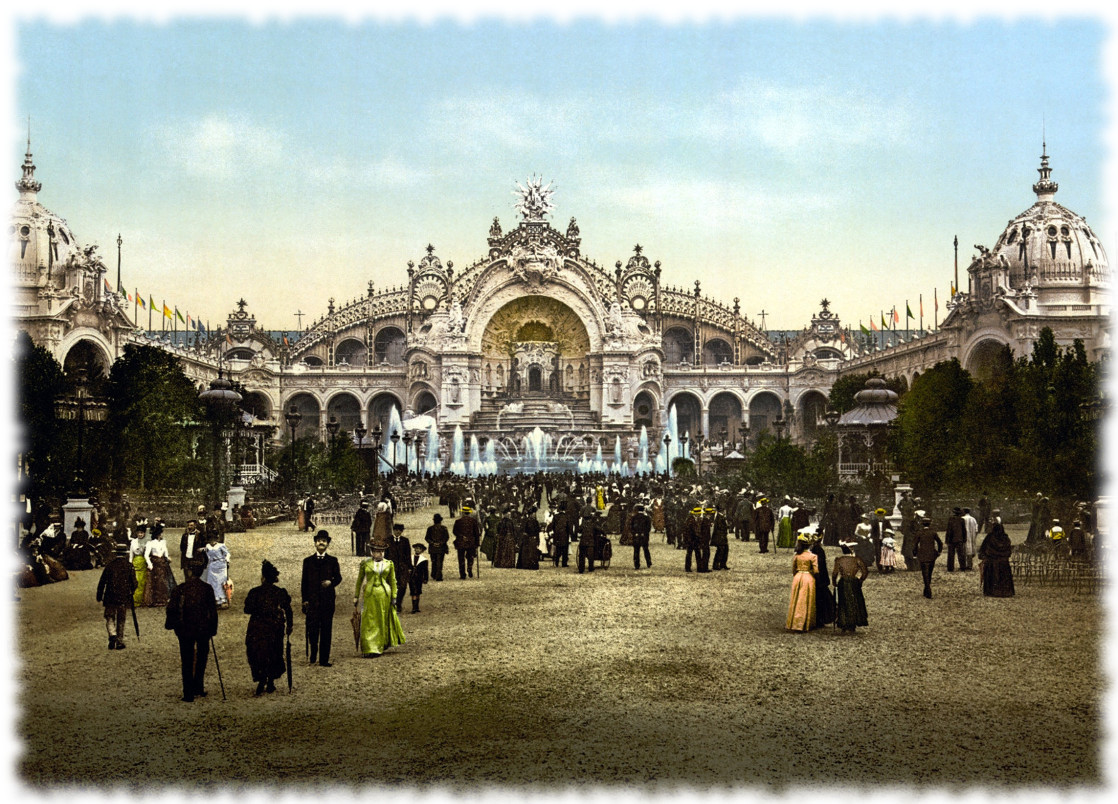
(849, 572)
(376, 592)
(801, 606)
(270, 618)
(160, 577)
(824, 598)
(993, 556)
(136, 547)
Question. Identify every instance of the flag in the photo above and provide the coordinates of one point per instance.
(921, 305)
(873, 325)
(167, 311)
(201, 328)
(896, 316)
(140, 299)
(151, 300)
(178, 315)
(189, 321)
(883, 324)
(108, 287)
(130, 297)
(952, 289)
(863, 327)
(285, 343)
(908, 311)
(228, 339)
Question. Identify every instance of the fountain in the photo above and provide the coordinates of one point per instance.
(535, 447)
(489, 465)
(431, 461)
(475, 467)
(458, 446)
(643, 465)
(620, 467)
(386, 448)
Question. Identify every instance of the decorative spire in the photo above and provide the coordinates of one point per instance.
(27, 184)
(1045, 188)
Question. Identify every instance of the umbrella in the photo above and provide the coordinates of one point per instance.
(355, 620)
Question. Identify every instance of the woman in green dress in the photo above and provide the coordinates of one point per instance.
(380, 626)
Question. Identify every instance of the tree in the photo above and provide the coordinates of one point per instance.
(930, 448)
(155, 422)
(40, 384)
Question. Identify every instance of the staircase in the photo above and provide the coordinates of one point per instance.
(494, 420)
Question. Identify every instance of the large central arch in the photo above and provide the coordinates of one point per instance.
(537, 344)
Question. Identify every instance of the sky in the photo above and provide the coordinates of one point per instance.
(777, 160)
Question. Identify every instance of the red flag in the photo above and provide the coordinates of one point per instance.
(874, 326)
(108, 287)
(896, 316)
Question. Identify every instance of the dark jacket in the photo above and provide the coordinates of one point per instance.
(956, 532)
(928, 545)
(362, 521)
(315, 571)
(719, 531)
(437, 539)
(467, 532)
(399, 553)
(640, 525)
(192, 610)
(117, 584)
(763, 519)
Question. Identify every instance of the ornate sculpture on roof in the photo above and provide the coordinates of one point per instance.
(572, 230)
(535, 199)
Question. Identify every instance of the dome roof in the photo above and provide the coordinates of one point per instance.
(875, 405)
(34, 229)
(1048, 242)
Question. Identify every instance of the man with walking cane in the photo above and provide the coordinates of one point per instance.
(115, 588)
(321, 576)
(192, 615)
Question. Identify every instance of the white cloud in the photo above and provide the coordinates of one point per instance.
(220, 147)
(711, 203)
(513, 120)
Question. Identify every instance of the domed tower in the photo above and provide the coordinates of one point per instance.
(1047, 250)
(1047, 269)
(59, 285)
(41, 248)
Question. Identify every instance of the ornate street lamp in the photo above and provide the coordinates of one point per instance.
(408, 438)
(778, 425)
(667, 454)
(395, 440)
(377, 435)
(359, 434)
(221, 399)
(723, 435)
(332, 427)
(293, 417)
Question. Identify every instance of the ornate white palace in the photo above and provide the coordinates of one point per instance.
(536, 334)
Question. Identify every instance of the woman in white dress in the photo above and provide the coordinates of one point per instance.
(217, 569)
(160, 580)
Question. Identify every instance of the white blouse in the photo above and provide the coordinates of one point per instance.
(156, 547)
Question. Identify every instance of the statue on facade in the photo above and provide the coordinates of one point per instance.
(457, 319)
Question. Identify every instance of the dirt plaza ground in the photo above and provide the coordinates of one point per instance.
(651, 680)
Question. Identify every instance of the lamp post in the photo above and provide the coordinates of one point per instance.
(668, 454)
(395, 440)
(377, 436)
(778, 425)
(221, 399)
(359, 434)
(293, 417)
(78, 406)
(723, 435)
(408, 438)
(332, 427)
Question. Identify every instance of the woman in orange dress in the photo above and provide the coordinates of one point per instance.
(801, 606)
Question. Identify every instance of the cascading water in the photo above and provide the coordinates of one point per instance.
(458, 446)
(535, 447)
(395, 426)
(489, 465)
(432, 463)
(643, 465)
(619, 467)
(664, 457)
(598, 464)
(475, 467)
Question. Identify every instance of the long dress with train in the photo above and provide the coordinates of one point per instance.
(161, 578)
(269, 610)
(140, 567)
(380, 625)
(801, 606)
(217, 571)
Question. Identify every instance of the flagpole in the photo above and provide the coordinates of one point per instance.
(935, 295)
(149, 317)
(119, 241)
(921, 312)
(163, 316)
(956, 264)
(136, 308)
(907, 318)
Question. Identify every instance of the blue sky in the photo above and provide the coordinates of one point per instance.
(777, 161)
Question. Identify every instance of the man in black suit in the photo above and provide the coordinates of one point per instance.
(927, 549)
(308, 512)
(321, 576)
(956, 538)
(361, 526)
(192, 615)
(399, 553)
(192, 544)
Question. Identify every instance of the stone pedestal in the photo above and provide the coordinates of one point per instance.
(236, 496)
(72, 510)
(895, 517)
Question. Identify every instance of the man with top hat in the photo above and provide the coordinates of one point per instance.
(560, 532)
(640, 526)
(689, 536)
(591, 528)
(115, 589)
(763, 522)
(926, 549)
(719, 539)
(321, 576)
(437, 539)
(192, 615)
(956, 538)
(399, 553)
(361, 525)
(467, 537)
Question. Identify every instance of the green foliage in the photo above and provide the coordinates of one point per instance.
(842, 392)
(1022, 428)
(154, 423)
(778, 466)
(319, 466)
(40, 383)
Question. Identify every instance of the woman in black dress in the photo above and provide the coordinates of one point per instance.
(850, 570)
(269, 610)
(997, 576)
(824, 599)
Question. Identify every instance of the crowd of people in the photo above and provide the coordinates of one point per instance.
(517, 522)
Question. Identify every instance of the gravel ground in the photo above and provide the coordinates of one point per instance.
(654, 680)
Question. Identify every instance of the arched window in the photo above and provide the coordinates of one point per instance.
(388, 346)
